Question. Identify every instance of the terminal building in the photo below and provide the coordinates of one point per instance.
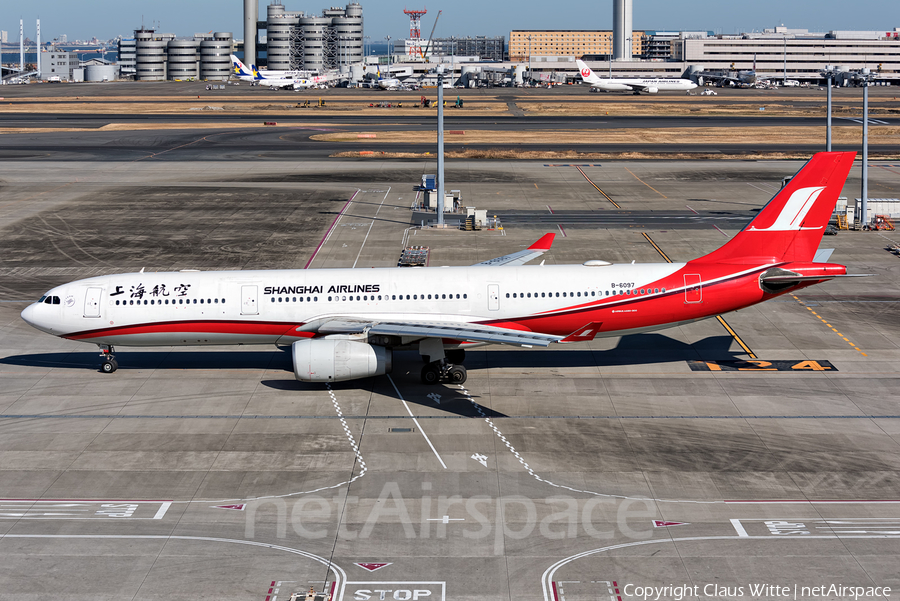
(486, 48)
(782, 53)
(776, 54)
(297, 41)
(524, 44)
(155, 56)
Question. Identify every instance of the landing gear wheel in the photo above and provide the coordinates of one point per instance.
(457, 375)
(109, 366)
(456, 356)
(431, 374)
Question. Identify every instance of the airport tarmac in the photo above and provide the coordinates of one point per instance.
(764, 453)
(165, 121)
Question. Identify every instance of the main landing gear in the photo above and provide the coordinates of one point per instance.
(109, 364)
(441, 371)
(448, 369)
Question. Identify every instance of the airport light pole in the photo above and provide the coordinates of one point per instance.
(863, 211)
(829, 76)
(784, 78)
(440, 148)
(453, 60)
(530, 78)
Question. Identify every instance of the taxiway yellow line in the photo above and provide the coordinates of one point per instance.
(596, 187)
(645, 183)
(820, 318)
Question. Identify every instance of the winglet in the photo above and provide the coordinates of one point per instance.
(544, 243)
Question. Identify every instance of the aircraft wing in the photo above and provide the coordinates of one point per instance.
(466, 332)
(523, 256)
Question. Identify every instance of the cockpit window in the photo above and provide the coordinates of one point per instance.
(41, 299)
(56, 300)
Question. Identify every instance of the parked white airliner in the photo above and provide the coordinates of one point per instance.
(344, 324)
(251, 71)
(638, 86)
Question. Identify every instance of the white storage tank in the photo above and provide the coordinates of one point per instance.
(101, 72)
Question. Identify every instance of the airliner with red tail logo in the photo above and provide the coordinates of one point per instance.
(638, 86)
(344, 324)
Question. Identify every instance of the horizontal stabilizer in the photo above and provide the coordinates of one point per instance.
(811, 278)
(584, 333)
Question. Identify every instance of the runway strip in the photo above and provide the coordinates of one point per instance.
(418, 417)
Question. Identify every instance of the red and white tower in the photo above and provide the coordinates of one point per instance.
(414, 46)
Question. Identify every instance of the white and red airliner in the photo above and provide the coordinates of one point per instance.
(651, 85)
(343, 324)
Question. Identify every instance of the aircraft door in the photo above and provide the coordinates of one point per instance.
(249, 299)
(493, 297)
(693, 288)
(92, 302)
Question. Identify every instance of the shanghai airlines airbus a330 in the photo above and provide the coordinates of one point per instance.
(344, 324)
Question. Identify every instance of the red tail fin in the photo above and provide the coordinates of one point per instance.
(790, 226)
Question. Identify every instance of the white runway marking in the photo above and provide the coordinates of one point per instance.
(353, 445)
(340, 576)
(871, 121)
(527, 467)
(49, 509)
(767, 191)
(739, 528)
(547, 578)
(331, 229)
(370, 228)
(416, 422)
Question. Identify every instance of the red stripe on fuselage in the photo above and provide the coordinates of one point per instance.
(264, 328)
(723, 292)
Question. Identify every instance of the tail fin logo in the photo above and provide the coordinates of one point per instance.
(794, 212)
(585, 72)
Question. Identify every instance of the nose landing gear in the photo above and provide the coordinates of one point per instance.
(109, 364)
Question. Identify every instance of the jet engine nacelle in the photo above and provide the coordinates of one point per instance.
(338, 359)
(652, 90)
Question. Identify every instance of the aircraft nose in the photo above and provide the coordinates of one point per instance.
(28, 314)
(31, 316)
